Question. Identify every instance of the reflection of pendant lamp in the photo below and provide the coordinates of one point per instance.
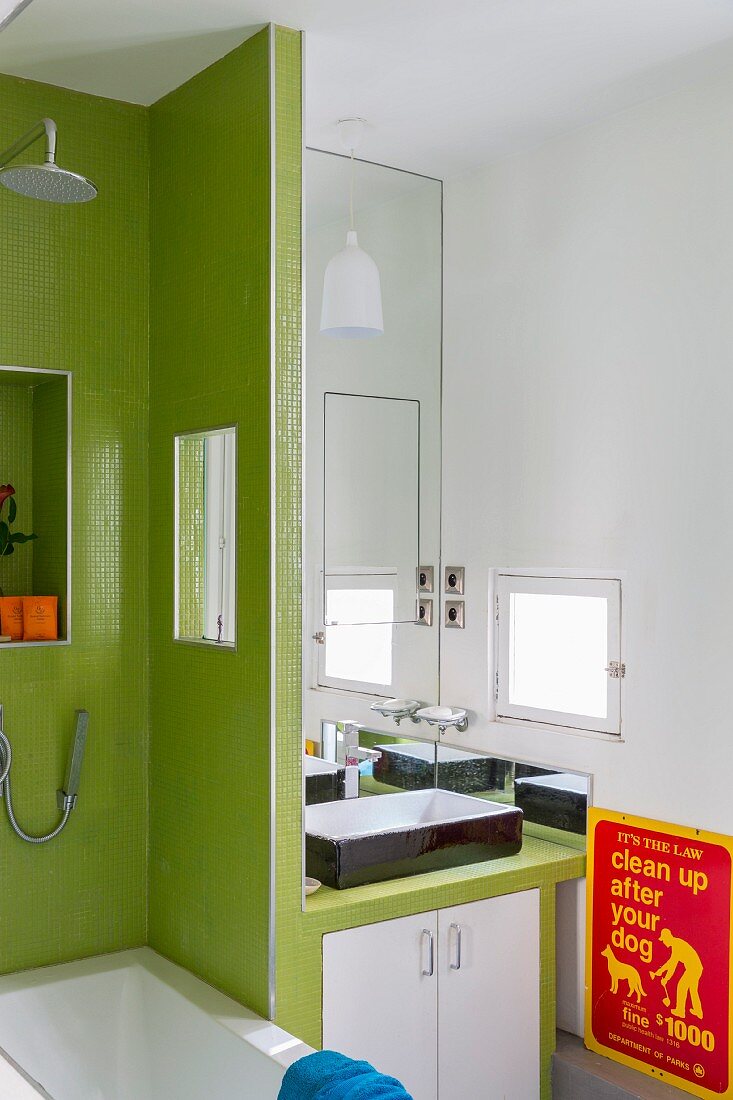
(352, 295)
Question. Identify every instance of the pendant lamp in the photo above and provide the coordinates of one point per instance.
(352, 296)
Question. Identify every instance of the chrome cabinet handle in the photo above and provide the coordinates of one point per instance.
(457, 964)
(431, 954)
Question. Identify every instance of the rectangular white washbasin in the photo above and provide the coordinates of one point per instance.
(362, 840)
(354, 817)
(314, 765)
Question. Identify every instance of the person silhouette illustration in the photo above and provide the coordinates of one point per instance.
(682, 954)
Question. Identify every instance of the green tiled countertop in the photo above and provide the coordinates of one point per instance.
(540, 865)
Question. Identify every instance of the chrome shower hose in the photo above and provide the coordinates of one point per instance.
(6, 758)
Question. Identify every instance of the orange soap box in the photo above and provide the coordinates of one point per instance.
(29, 618)
(40, 618)
(11, 617)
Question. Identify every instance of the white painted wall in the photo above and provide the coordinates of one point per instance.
(588, 382)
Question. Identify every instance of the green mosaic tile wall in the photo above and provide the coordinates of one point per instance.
(210, 365)
(75, 294)
(16, 467)
(288, 535)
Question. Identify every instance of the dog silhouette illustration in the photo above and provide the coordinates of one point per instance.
(623, 972)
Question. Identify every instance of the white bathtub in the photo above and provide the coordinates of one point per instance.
(133, 1026)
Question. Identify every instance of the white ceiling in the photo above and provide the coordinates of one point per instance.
(446, 85)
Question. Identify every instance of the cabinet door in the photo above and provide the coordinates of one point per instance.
(489, 999)
(380, 999)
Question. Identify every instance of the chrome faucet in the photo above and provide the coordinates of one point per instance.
(349, 753)
(348, 750)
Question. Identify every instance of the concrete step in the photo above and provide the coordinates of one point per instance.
(579, 1074)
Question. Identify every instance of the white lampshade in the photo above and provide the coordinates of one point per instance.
(352, 294)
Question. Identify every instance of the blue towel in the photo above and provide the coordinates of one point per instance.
(327, 1075)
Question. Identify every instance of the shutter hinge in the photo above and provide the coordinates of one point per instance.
(319, 637)
(496, 684)
(616, 670)
(496, 616)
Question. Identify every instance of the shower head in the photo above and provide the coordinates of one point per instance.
(47, 181)
(43, 181)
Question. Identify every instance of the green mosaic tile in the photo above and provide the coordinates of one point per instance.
(288, 394)
(75, 294)
(212, 318)
(537, 864)
(210, 365)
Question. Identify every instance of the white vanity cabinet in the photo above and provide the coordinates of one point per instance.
(447, 1001)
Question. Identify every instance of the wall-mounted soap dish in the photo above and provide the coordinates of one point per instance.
(444, 718)
(396, 708)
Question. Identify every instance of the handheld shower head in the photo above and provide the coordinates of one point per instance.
(43, 181)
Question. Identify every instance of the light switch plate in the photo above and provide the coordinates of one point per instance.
(455, 577)
(455, 614)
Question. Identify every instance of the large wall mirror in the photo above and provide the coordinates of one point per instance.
(371, 515)
(372, 434)
(205, 598)
(372, 538)
(35, 507)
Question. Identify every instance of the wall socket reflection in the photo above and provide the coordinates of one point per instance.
(455, 577)
(425, 578)
(455, 614)
(425, 613)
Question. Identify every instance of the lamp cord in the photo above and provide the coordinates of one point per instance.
(351, 194)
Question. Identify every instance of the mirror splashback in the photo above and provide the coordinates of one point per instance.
(554, 801)
(35, 518)
(373, 451)
(205, 537)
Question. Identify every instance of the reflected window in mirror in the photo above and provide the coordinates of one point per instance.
(205, 537)
(358, 657)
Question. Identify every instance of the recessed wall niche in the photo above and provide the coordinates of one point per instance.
(35, 521)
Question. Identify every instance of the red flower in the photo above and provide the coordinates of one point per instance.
(5, 492)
